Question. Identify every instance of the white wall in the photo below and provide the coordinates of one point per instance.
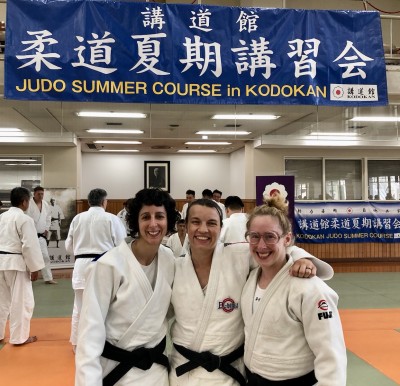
(122, 175)
(237, 174)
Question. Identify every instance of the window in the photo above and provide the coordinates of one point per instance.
(308, 177)
(383, 180)
(343, 179)
(25, 171)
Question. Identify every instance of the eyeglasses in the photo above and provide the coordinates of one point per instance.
(270, 238)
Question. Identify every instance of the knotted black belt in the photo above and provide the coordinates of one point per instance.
(305, 380)
(89, 256)
(142, 358)
(211, 362)
(39, 235)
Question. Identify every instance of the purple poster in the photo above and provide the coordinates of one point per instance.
(270, 186)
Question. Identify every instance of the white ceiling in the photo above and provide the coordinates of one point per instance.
(167, 127)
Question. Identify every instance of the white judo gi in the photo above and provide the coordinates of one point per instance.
(295, 329)
(184, 210)
(92, 232)
(234, 228)
(18, 237)
(177, 248)
(121, 306)
(213, 322)
(122, 216)
(57, 215)
(42, 220)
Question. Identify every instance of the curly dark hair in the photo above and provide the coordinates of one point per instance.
(155, 197)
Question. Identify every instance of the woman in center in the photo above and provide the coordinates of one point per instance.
(208, 331)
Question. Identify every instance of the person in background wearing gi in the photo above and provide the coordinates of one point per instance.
(122, 215)
(123, 327)
(217, 194)
(20, 262)
(178, 240)
(234, 226)
(190, 196)
(293, 333)
(90, 234)
(208, 331)
(208, 194)
(39, 210)
(57, 215)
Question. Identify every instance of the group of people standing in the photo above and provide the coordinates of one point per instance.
(228, 328)
(246, 309)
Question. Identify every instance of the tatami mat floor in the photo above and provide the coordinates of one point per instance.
(369, 306)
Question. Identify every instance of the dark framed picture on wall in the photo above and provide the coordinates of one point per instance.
(156, 175)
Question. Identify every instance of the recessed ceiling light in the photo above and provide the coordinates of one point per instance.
(222, 132)
(333, 134)
(208, 143)
(120, 151)
(196, 151)
(9, 129)
(246, 116)
(109, 114)
(375, 119)
(120, 142)
(116, 131)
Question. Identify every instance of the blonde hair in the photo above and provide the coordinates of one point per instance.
(275, 207)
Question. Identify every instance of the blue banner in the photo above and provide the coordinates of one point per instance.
(347, 222)
(119, 51)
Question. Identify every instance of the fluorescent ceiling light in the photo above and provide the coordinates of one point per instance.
(120, 142)
(333, 134)
(196, 151)
(109, 114)
(23, 164)
(11, 134)
(222, 132)
(116, 131)
(246, 116)
(120, 151)
(376, 119)
(9, 129)
(17, 160)
(208, 143)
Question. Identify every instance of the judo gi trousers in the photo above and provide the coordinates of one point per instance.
(46, 271)
(16, 302)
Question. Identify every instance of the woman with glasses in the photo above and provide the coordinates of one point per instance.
(208, 331)
(293, 333)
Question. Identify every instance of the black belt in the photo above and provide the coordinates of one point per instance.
(54, 219)
(211, 362)
(142, 358)
(9, 253)
(89, 256)
(39, 235)
(305, 380)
